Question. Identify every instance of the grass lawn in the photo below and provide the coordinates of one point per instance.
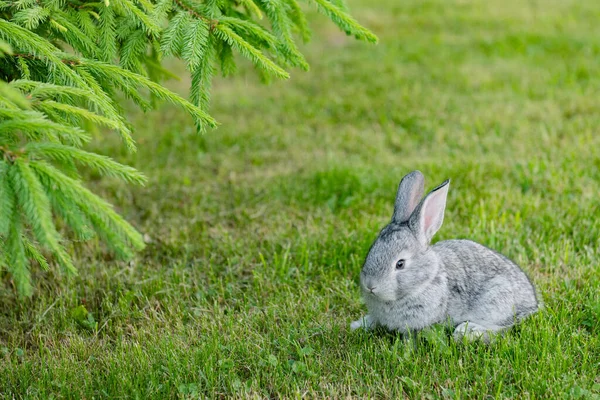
(257, 231)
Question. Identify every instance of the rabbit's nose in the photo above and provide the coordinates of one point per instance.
(371, 288)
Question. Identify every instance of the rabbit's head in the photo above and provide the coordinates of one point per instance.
(400, 261)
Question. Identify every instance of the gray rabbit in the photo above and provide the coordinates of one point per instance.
(408, 285)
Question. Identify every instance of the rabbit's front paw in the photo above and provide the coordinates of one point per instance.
(365, 322)
(473, 332)
(354, 325)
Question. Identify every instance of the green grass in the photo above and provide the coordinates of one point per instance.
(257, 230)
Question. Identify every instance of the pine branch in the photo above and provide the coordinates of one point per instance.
(32, 252)
(202, 77)
(103, 100)
(161, 10)
(35, 126)
(251, 29)
(48, 106)
(194, 10)
(252, 7)
(7, 199)
(344, 21)
(173, 36)
(83, 19)
(70, 212)
(228, 66)
(107, 39)
(16, 258)
(142, 19)
(132, 51)
(282, 27)
(42, 90)
(74, 36)
(5, 48)
(107, 222)
(31, 18)
(11, 98)
(226, 34)
(196, 40)
(123, 77)
(36, 207)
(39, 93)
(104, 165)
(22, 39)
(24, 68)
(55, 96)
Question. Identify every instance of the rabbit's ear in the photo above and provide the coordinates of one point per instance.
(409, 194)
(427, 218)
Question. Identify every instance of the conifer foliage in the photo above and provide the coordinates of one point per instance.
(63, 66)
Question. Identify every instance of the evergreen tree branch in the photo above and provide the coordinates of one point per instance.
(226, 34)
(142, 19)
(202, 77)
(32, 252)
(282, 27)
(100, 163)
(36, 207)
(69, 211)
(344, 21)
(173, 35)
(96, 209)
(35, 126)
(299, 19)
(16, 259)
(72, 111)
(196, 40)
(66, 66)
(7, 199)
(127, 78)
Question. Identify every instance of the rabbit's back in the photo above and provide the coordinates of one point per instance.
(483, 284)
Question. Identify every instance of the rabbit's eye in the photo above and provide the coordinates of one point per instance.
(400, 264)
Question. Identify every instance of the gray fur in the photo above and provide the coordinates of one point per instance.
(478, 290)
